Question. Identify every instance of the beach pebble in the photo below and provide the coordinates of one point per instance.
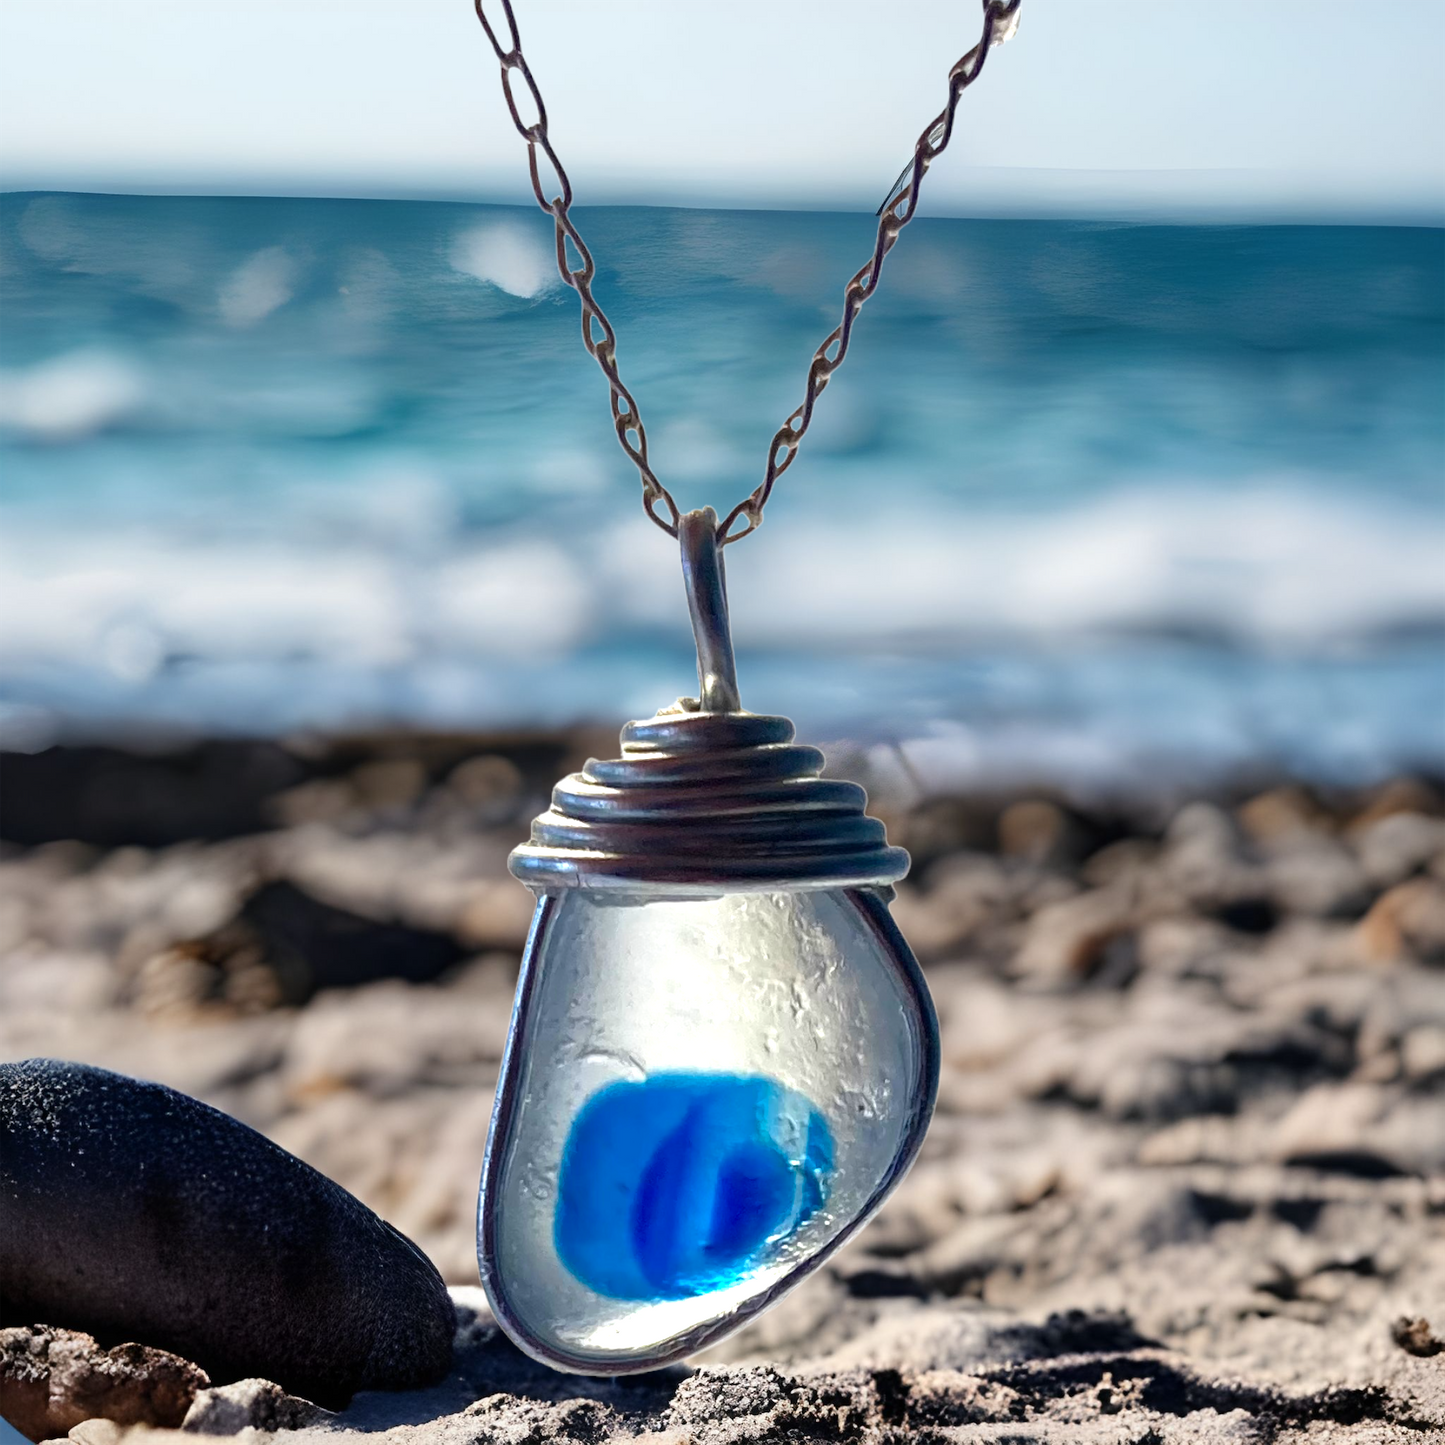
(1203, 858)
(1037, 831)
(1317, 877)
(52, 1379)
(135, 1212)
(1406, 921)
(964, 893)
(496, 915)
(250, 1404)
(1397, 846)
(1066, 941)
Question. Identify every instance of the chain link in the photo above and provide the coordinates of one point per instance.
(1000, 19)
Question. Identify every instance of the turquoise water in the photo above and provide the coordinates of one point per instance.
(1087, 501)
(681, 1184)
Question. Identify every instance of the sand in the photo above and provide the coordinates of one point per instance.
(1186, 1180)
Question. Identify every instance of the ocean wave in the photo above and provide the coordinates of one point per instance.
(1266, 569)
(71, 396)
(259, 285)
(1082, 492)
(505, 255)
(1261, 567)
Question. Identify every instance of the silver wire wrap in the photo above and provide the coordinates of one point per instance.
(705, 802)
(707, 604)
(706, 796)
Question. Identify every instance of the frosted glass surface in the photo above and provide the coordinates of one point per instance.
(710, 1090)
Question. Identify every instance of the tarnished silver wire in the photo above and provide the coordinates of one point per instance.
(1000, 19)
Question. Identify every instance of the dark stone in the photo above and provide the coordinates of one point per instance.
(133, 1212)
(885, 1284)
(109, 796)
(228, 787)
(1074, 1332)
(1360, 1163)
(1414, 1335)
(1219, 1208)
(1302, 1213)
(1248, 915)
(313, 945)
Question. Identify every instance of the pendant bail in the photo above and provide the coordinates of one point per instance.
(707, 797)
(707, 601)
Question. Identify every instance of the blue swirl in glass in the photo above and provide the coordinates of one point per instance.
(678, 1184)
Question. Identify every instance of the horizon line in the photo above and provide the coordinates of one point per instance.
(1135, 211)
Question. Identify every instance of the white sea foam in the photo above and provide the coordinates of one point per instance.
(1266, 569)
(120, 605)
(507, 256)
(71, 396)
(511, 601)
(258, 286)
(1270, 566)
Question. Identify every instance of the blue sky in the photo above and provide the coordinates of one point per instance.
(1276, 107)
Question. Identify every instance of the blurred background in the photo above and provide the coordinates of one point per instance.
(1135, 472)
(1114, 563)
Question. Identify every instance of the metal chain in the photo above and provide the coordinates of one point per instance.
(626, 419)
(1000, 19)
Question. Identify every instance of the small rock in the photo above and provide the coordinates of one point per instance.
(52, 1379)
(130, 1210)
(1330, 1119)
(497, 915)
(1316, 876)
(1282, 814)
(1035, 831)
(1126, 861)
(490, 786)
(257, 1404)
(1066, 941)
(1203, 858)
(1406, 921)
(1415, 1337)
(963, 894)
(1399, 795)
(389, 785)
(725, 1393)
(97, 1432)
(1181, 947)
(319, 800)
(1422, 1052)
(510, 1420)
(1397, 846)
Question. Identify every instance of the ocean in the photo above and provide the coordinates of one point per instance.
(1092, 504)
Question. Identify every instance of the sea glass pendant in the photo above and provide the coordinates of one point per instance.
(723, 1055)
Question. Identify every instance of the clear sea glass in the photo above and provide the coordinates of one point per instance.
(702, 1096)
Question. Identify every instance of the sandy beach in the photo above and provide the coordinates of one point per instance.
(1186, 1180)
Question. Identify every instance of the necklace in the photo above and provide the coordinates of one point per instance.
(723, 1055)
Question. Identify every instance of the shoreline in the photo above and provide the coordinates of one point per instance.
(158, 790)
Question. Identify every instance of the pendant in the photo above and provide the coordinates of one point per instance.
(723, 1055)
